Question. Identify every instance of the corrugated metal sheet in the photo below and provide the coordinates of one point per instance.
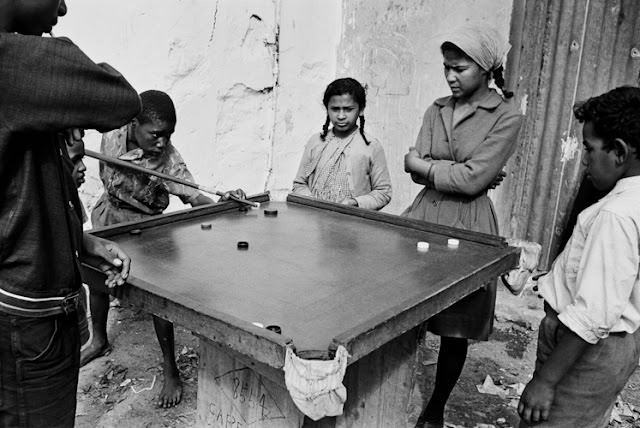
(564, 51)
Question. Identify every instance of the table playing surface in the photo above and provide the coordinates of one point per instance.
(325, 274)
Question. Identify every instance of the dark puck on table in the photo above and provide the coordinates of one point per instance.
(274, 328)
(205, 226)
(243, 209)
(135, 231)
(243, 245)
(271, 213)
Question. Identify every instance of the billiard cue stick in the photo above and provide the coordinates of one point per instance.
(134, 167)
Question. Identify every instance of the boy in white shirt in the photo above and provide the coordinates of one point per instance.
(588, 344)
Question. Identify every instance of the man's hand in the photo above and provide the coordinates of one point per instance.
(109, 258)
(496, 181)
(535, 401)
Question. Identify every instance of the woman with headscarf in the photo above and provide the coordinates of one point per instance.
(463, 145)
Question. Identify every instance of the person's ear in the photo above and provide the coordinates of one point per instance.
(621, 150)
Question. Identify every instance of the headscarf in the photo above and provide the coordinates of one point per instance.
(483, 44)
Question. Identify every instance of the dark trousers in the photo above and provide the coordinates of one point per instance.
(587, 392)
(39, 364)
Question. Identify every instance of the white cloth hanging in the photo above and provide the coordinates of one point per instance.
(316, 385)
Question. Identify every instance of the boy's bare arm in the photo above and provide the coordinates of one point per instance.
(205, 200)
(201, 200)
(538, 395)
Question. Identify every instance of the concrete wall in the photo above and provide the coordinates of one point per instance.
(394, 46)
(247, 76)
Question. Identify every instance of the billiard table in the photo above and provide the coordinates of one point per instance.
(320, 275)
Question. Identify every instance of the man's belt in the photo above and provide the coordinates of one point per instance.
(16, 304)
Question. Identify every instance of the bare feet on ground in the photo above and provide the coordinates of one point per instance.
(94, 350)
(171, 393)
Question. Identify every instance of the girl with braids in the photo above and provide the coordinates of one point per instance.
(343, 164)
(463, 144)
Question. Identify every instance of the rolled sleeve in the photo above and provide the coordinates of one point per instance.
(475, 174)
(606, 276)
(575, 318)
(178, 168)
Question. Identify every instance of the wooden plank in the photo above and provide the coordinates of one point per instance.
(452, 232)
(383, 327)
(260, 344)
(174, 217)
(380, 388)
(233, 395)
(275, 375)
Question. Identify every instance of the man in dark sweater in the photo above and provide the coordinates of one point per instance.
(50, 89)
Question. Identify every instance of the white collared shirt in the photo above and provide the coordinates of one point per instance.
(594, 283)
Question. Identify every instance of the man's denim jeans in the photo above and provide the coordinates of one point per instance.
(39, 363)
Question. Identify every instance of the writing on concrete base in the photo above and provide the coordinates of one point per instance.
(241, 400)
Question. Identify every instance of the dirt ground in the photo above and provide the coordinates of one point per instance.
(119, 390)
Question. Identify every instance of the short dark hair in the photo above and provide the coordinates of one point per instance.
(156, 105)
(614, 114)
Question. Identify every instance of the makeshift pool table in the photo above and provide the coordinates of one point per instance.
(326, 275)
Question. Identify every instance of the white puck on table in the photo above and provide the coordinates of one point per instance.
(423, 246)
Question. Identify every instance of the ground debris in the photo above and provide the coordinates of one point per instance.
(146, 388)
(114, 373)
(477, 425)
(187, 362)
(512, 391)
(624, 415)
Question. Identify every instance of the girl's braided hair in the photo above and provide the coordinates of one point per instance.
(344, 86)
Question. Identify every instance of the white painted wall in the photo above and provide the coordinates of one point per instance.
(219, 62)
(309, 36)
(247, 76)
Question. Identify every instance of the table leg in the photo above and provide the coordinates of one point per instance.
(234, 394)
(382, 388)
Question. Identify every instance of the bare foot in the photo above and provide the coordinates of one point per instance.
(94, 350)
(171, 393)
